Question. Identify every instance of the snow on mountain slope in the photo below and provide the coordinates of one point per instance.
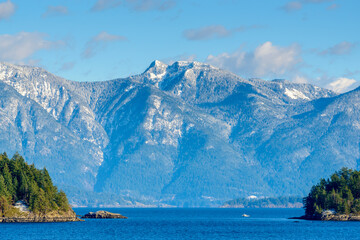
(322, 137)
(27, 128)
(186, 134)
(58, 97)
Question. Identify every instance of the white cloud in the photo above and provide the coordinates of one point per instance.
(273, 59)
(266, 60)
(7, 9)
(56, 11)
(341, 85)
(18, 47)
(100, 41)
(339, 49)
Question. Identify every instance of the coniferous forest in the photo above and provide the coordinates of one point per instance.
(340, 193)
(266, 202)
(21, 181)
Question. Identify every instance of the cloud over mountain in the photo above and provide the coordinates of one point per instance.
(341, 85)
(21, 46)
(267, 60)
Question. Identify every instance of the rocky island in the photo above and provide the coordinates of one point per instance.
(103, 215)
(28, 194)
(334, 199)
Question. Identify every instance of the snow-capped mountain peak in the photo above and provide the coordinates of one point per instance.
(176, 132)
(155, 72)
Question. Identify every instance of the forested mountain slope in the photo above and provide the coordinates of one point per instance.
(186, 134)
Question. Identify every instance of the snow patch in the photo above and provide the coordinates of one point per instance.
(252, 197)
(157, 102)
(157, 76)
(356, 125)
(295, 94)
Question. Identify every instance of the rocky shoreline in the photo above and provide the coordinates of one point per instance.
(104, 215)
(69, 216)
(29, 217)
(331, 217)
(39, 219)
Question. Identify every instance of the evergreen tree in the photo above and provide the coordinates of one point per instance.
(8, 180)
(341, 193)
(3, 189)
(4, 205)
(20, 181)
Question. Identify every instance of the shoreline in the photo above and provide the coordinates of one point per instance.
(330, 217)
(39, 219)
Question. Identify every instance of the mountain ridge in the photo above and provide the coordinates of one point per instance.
(185, 134)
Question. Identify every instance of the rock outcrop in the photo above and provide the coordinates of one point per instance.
(330, 217)
(69, 216)
(342, 217)
(103, 215)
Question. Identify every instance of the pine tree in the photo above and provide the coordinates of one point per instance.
(61, 201)
(20, 181)
(341, 192)
(8, 180)
(3, 189)
(4, 205)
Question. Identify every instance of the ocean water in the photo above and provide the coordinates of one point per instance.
(189, 223)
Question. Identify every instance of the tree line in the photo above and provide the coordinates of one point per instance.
(265, 202)
(21, 181)
(340, 193)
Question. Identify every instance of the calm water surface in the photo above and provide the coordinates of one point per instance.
(187, 224)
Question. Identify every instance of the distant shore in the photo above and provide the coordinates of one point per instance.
(265, 202)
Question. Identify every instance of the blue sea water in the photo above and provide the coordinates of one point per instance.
(198, 223)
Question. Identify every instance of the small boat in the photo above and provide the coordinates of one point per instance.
(245, 215)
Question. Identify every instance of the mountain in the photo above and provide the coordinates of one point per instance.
(185, 134)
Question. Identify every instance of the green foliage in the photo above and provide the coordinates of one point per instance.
(341, 193)
(20, 181)
(265, 202)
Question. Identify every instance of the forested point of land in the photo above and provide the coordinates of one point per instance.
(267, 202)
(21, 181)
(339, 193)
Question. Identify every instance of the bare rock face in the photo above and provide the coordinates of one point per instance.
(103, 215)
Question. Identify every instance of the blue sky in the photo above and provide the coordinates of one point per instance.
(315, 41)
